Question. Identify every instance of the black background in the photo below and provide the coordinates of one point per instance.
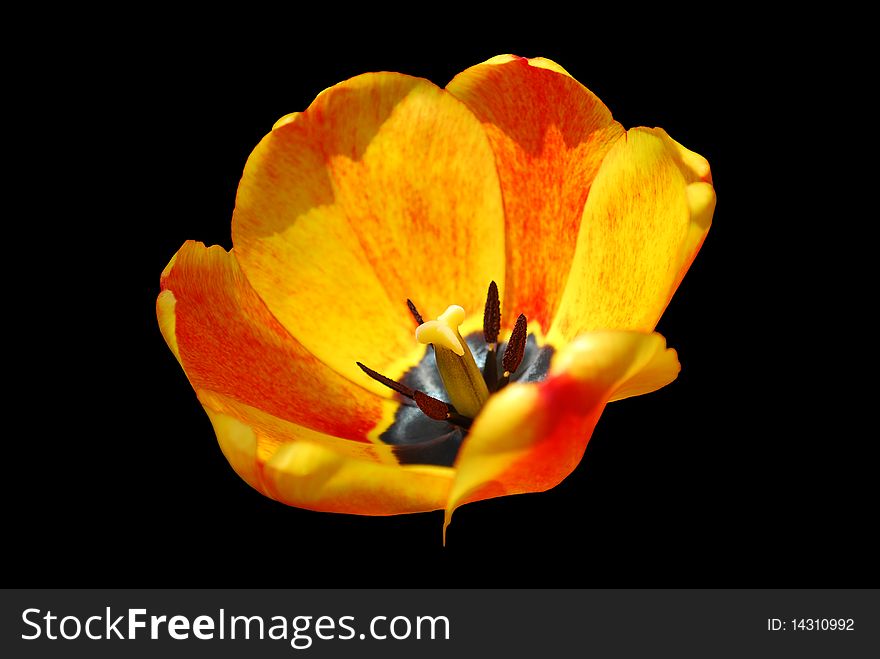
(731, 476)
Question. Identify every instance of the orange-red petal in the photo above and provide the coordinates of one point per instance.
(531, 436)
(228, 342)
(549, 134)
(384, 189)
(275, 408)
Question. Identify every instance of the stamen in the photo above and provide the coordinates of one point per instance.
(516, 347)
(492, 316)
(402, 389)
(440, 411)
(415, 312)
(491, 327)
(433, 408)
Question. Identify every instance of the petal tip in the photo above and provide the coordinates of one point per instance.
(549, 65)
(701, 200)
(165, 306)
(238, 441)
(286, 119)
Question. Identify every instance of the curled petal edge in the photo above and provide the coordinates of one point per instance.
(529, 437)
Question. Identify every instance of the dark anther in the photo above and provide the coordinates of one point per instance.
(516, 347)
(440, 411)
(491, 327)
(402, 389)
(433, 408)
(492, 316)
(414, 311)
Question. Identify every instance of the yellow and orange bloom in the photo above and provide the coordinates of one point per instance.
(388, 189)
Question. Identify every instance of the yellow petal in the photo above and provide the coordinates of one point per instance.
(643, 222)
(656, 372)
(311, 476)
(384, 189)
(549, 134)
(531, 436)
(303, 468)
(700, 196)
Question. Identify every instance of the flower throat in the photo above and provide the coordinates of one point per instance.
(467, 386)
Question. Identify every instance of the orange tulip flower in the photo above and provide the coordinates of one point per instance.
(390, 198)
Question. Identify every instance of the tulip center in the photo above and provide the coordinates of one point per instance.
(444, 393)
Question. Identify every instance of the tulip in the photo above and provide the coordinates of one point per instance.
(433, 293)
